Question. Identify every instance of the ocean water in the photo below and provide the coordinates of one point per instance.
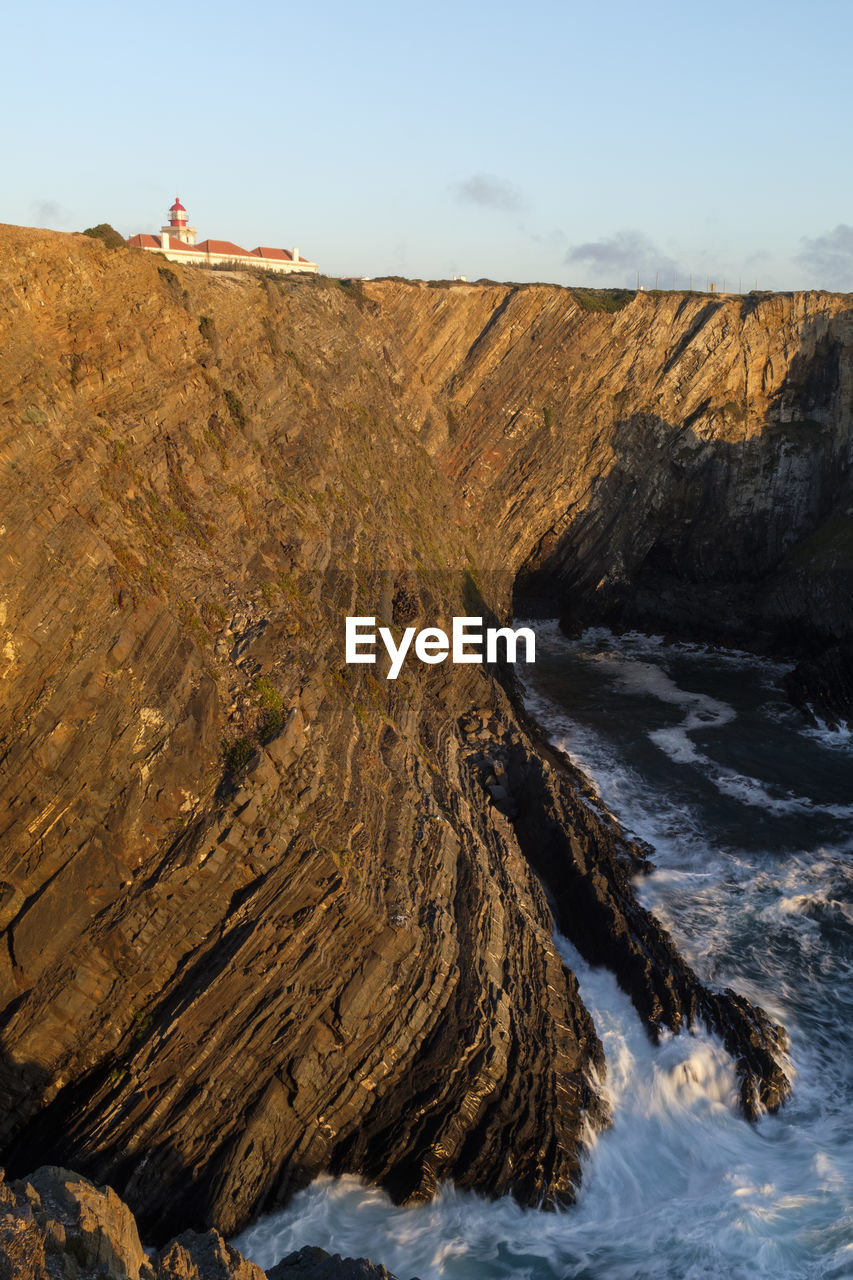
(750, 814)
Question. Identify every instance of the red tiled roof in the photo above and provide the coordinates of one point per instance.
(144, 241)
(280, 255)
(222, 246)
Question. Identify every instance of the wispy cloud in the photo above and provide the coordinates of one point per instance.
(49, 212)
(830, 256)
(490, 192)
(623, 254)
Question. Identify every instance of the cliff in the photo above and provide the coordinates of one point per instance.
(261, 916)
(681, 464)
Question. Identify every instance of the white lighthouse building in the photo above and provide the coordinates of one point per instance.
(177, 242)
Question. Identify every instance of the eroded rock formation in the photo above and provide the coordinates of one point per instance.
(262, 917)
(55, 1225)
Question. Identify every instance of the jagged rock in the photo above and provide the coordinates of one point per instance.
(312, 1263)
(56, 1224)
(206, 1256)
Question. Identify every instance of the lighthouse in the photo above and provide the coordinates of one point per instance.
(177, 228)
(177, 242)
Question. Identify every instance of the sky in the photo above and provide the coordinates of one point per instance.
(576, 143)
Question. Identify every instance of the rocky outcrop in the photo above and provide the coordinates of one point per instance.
(55, 1225)
(588, 866)
(266, 914)
(315, 1264)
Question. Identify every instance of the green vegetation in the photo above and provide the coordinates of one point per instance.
(289, 583)
(143, 1025)
(603, 299)
(236, 754)
(738, 411)
(107, 234)
(362, 715)
(271, 703)
(235, 408)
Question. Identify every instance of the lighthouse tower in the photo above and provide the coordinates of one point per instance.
(177, 228)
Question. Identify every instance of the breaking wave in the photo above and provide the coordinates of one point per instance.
(748, 811)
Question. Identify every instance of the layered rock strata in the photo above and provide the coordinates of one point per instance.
(267, 914)
(681, 465)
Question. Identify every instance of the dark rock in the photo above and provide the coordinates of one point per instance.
(823, 687)
(588, 864)
(311, 1263)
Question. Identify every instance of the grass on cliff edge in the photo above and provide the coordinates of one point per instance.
(603, 299)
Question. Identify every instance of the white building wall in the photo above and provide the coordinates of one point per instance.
(226, 259)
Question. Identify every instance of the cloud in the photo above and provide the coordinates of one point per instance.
(624, 254)
(830, 255)
(48, 212)
(490, 192)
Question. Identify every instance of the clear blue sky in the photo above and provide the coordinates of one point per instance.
(552, 140)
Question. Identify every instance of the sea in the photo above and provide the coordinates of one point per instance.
(749, 811)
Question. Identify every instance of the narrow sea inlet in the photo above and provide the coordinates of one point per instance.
(749, 813)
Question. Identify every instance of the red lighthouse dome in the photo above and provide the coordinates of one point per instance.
(177, 214)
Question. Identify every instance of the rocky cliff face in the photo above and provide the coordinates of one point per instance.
(261, 917)
(55, 1225)
(697, 452)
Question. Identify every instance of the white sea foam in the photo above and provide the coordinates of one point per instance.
(680, 1187)
(840, 739)
(622, 660)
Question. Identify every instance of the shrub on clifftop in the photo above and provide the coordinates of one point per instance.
(109, 235)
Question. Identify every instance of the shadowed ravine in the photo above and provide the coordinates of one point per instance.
(262, 919)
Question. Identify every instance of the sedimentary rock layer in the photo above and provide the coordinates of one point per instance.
(684, 462)
(262, 918)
